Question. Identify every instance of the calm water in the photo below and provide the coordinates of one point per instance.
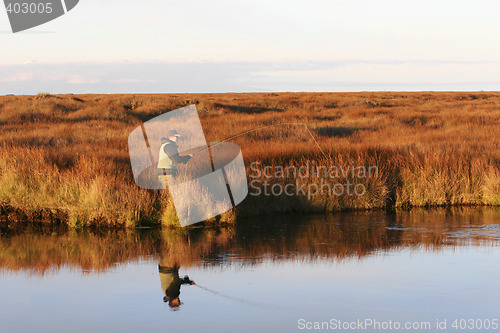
(275, 274)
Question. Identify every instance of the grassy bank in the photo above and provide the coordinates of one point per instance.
(66, 156)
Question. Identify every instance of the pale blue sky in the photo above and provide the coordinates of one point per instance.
(221, 45)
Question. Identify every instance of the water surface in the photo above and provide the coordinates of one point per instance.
(273, 274)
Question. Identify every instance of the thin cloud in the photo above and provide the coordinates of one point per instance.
(159, 77)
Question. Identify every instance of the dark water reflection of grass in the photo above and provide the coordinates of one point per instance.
(39, 250)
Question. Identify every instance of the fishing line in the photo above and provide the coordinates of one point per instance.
(244, 301)
(236, 299)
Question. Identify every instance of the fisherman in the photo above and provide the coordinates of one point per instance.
(169, 156)
(171, 284)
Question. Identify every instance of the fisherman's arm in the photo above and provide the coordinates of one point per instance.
(173, 154)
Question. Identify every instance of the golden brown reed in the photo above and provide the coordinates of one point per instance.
(67, 155)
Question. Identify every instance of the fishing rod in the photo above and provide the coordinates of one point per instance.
(258, 129)
(264, 127)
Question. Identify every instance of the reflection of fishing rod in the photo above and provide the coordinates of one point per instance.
(239, 300)
(263, 127)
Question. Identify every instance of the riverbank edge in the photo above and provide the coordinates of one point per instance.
(14, 218)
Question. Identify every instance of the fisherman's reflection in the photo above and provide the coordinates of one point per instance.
(171, 284)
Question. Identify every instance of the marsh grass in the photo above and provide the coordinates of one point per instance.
(68, 154)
